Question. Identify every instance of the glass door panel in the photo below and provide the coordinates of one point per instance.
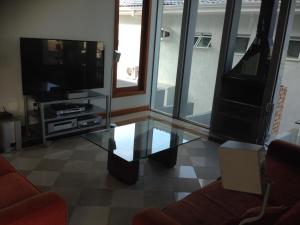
(198, 88)
(129, 30)
(168, 45)
(287, 113)
(247, 29)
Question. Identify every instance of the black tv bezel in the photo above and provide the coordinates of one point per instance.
(63, 92)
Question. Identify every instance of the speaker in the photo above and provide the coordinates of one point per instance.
(10, 135)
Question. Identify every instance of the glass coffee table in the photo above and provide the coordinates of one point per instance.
(128, 144)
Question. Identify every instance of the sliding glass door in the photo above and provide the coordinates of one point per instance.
(192, 40)
(199, 84)
(167, 44)
(186, 63)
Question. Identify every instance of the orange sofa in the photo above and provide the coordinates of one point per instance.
(213, 205)
(21, 203)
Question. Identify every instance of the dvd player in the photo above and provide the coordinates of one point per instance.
(62, 109)
(88, 121)
(59, 126)
(68, 111)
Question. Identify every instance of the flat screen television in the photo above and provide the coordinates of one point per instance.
(51, 66)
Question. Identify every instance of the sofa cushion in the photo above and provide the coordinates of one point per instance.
(235, 202)
(5, 167)
(270, 216)
(291, 217)
(285, 151)
(41, 209)
(185, 212)
(15, 188)
(285, 182)
(201, 206)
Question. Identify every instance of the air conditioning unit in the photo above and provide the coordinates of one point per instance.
(165, 33)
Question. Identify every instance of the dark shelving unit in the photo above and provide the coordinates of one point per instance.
(241, 107)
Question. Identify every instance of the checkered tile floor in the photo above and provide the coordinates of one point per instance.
(76, 170)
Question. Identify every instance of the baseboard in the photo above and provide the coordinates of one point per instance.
(122, 112)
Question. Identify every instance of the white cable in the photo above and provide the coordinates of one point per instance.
(264, 206)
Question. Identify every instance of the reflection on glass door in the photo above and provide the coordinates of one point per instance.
(198, 88)
(170, 32)
(129, 31)
(246, 30)
(287, 113)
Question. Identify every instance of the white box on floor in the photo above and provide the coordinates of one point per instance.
(241, 166)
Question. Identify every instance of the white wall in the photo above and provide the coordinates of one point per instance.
(61, 19)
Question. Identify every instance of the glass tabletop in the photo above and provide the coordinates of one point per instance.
(138, 140)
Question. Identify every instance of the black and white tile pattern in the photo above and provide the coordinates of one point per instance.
(76, 170)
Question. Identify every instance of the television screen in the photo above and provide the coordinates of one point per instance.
(57, 66)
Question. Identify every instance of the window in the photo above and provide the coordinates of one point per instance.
(202, 40)
(132, 24)
(293, 53)
(242, 42)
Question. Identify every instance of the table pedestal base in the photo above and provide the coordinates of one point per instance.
(127, 172)
(168, 157)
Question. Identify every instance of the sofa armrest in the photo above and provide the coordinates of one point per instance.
(5, 167)
(42, 209)
(284, 151)
(291, 217)
(152, 216)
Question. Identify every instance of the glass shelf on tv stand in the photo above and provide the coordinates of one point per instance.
(62, 99)
(50, 116)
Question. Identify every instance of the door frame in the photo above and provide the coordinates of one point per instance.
(144, 52)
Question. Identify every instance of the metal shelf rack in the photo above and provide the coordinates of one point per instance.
(44, 116)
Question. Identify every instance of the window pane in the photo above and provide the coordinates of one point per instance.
(294, 49)
(130, 24)
(199, 88)
(287, 110)
(247, 24)
(163, 94)
(196, 38)
(204, 41)
(241, 44)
